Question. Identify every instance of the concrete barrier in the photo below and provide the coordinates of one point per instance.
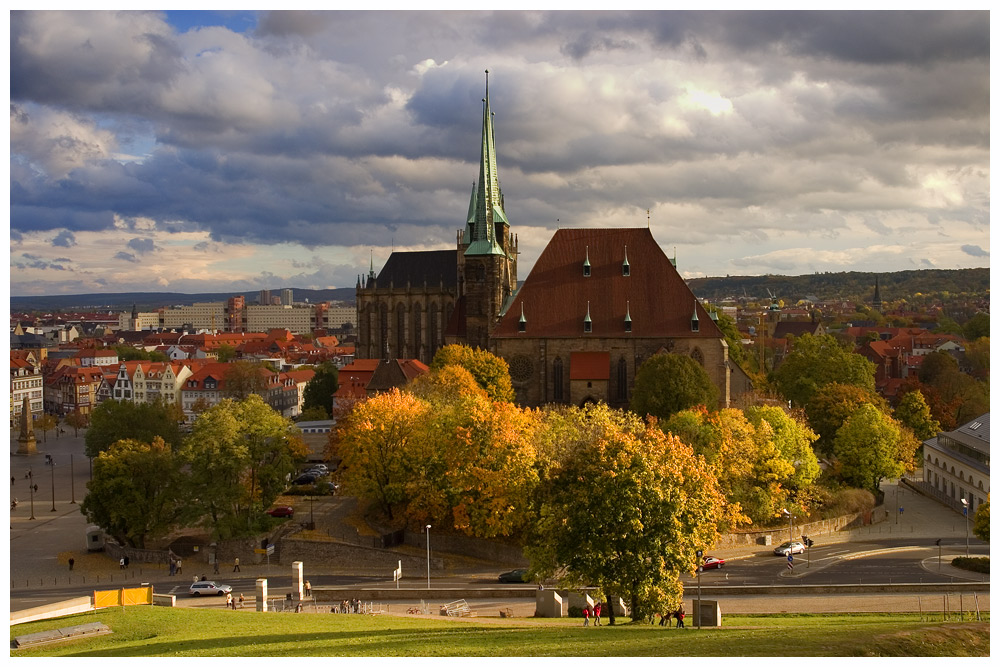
(163, 600)
(54, 610)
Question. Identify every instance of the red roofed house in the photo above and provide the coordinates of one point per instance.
(354, 378)
(72, 388)
(598, 303)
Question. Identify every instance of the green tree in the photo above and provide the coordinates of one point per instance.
(871, 446)
(977, 327)
(977, 353)
(129, 353)
(136, 492)
(981, 522)
(669, 383)
(734, 339)
(947, 325)
(119, 420)
(490, 371)
(319, 391)
(626, 514)
(46, 423)
(935, 366)
(225, 353)
(816, 361)
(240, 454)
(832, 405)
(313, 414)
(914, 413)
(243, 378)
(792, 438)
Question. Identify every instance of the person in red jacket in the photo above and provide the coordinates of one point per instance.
(586, 616)
(597, 614)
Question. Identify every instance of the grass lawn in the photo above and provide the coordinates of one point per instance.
(168, 632)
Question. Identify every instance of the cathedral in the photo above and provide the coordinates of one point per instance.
(597, 303)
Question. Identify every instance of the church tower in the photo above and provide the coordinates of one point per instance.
(877, 299)
(487, 249)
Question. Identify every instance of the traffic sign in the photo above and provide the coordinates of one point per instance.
(270, 550)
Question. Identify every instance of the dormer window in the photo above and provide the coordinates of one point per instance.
(587, 324)
(694, 319)
(522, 323)
(625, 267)
(628, 319)
(586, 264)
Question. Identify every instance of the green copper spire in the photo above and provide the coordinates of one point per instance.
(488, 199)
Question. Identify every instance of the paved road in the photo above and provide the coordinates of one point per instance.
(40, 547)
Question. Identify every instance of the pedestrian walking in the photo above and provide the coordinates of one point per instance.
(121, 563)
(179, 570)
(586, 616)
(679, 615)
(597, 614)
(229, 600)
(236, 565)
(215, 569)
(173, 567)
(241, 600)
(126, 561)
(665, 618)
(71, 562)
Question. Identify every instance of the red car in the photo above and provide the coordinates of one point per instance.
(281, 511)
(713, 563)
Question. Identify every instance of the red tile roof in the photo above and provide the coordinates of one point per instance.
(555, 295)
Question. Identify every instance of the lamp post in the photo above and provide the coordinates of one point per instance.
(701, 563)
(31, 490)
(52, 475)
(965, 511)
(427, 528)
(789, 515)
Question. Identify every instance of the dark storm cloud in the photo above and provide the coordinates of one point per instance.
(974, 251)
(65, 239)
(142, 246)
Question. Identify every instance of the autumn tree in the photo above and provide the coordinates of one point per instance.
(871, 446)
(914, 413)
(137, 491)
(319, 390)
(978, 326)
(312, 414)
(626, 514)
(243, 378)
(46, 423)
(129, 353)
(76, 420)
(831, 406)
(981, 522)
(225, 353)
(669, 383)
(490, 371)
(817, 361)
(793, 440)
(239, 454)
(119, 420)
(373, 441)
(977, 353)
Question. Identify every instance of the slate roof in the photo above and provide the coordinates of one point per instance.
(555, 294)
(418, 267)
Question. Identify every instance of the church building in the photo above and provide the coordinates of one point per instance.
(423, 300)
(597, 303)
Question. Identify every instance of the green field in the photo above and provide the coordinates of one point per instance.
(160, 631)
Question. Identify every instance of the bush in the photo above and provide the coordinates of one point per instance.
(981, 565)
(848, 501)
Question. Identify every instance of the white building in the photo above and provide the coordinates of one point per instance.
(957, 464)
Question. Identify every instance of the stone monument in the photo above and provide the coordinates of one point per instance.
(26, 439)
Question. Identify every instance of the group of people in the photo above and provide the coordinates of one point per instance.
(665, 617)
(353, 606)
(123, 563)
(233, 602)
(175, 564)
(596, 611)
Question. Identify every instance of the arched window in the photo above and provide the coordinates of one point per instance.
(416, 331)
(383, 329)
(433, 341)
(557, 379)
(401, 351)
(698, 356)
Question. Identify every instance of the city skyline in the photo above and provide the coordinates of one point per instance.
(234, 151)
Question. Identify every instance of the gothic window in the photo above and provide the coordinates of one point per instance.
(698, 356)
(416, 331)
(557, 379)
(432, 328)
(383, 329)
(520, 368)
(622, 380)
(401, 332)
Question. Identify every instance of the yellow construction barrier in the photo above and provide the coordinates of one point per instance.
(123, 597)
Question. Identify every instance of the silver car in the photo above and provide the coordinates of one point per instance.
(209, 588)
(789, 547)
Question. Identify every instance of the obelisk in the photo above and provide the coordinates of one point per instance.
(26, 440)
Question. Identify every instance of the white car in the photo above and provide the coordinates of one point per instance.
(209, 588)
(789, 547)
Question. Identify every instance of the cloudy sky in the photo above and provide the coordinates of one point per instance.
(230, 151)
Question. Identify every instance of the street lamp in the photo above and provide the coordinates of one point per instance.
(965, 511)
(427, 528)
(31, 489)
(52, 475)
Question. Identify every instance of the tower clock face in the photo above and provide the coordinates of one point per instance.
(520, 368)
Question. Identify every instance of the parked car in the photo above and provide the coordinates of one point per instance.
(209, 588)
(281, 511)
(713, 563)
(513, 577)
(319, 466)
(304, 479)
(789, 547)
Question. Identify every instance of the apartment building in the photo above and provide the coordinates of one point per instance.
(25, 379)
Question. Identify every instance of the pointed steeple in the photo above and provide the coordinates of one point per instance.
(470, 223)
(877, 299)
(489, 200)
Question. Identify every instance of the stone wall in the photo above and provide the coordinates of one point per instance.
(469, 546)
(780, 534)
(290, 550)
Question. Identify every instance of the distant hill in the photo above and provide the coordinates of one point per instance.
(146, 301)
(850, 285)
